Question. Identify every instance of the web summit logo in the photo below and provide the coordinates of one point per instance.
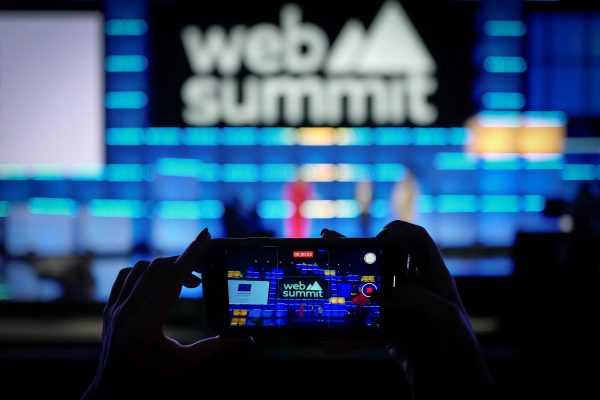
(383, 74)
(300, 290)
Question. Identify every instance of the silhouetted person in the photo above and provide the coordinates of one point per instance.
(426, 327)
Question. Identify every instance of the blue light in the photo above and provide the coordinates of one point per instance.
(87, 173)
(504, 28)
(356, 137)
(430, 136)
(126, 100)
(512, 163)
(458, 136)
(455, 161)
(52, 206)
(200, 136)
(500, 118)
(277, 136)
(278, 172)
(238, 136)
(503, 100)
(389, 172)
(117, 208)
(240, 173)
(545, 118)
(500, 203)
(125, 172)
(393, 136)
(578, 172)
(275, 209)
(497, 64)
(162, 136)
(533, 203)
(426, 204)
(179, 167)
(488, 266)
(126, 63)
(347, 209)
(453, 203)
(12, 172)
(547, 163)
(380, 208)
(353, 172)
(48, 172)
(4, 208)
(208, 209)
(125, 27)
(209, 172)
(124, 136)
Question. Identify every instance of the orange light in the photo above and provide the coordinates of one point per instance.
(317, 136)
(318, 172)
(549, 139)
(516, 135)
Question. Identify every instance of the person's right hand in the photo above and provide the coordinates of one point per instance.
(425, 323)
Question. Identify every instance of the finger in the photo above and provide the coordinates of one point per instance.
(150, 280)
(432, 272)
(132, 279)
(213, 348)
(191, 281)
(174, 273)
(192, 257)
(115, 291)
(184, 265)
(117, 287)
(329, 234)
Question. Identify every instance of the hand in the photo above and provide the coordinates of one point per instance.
(137, 359)
(425, 323)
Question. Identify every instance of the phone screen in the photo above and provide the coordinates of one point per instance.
(303, 287)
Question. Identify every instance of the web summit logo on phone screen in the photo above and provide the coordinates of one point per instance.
(309, 288)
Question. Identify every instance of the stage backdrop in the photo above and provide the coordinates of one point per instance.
(313, 63)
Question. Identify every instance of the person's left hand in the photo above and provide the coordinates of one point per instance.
(137, 359)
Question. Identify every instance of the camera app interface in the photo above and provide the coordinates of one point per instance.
(303, 288)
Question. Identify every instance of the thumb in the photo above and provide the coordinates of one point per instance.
(213, 348)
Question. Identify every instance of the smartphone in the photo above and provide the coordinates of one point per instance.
(266, 285)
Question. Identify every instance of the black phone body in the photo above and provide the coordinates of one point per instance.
(303, 287)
